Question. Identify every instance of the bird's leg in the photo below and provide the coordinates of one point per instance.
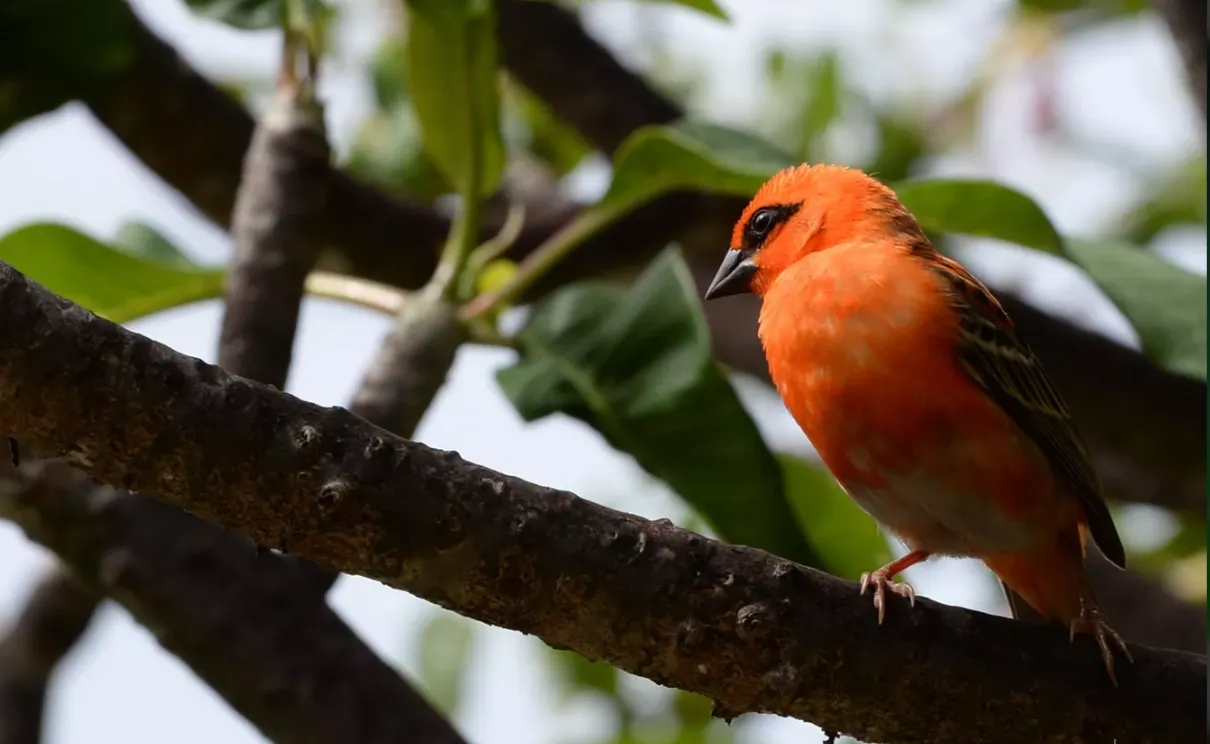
(883, 581)
(1092, 622)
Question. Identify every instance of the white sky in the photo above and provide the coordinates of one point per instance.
(1120, 87)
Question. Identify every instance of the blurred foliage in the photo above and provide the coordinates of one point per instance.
(849, 543)
(1165, 304)
(447, 642)
(117, 284)
(635, 363)
(1175, 198)
(688, 155)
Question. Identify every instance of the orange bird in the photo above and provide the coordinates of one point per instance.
(912, 384)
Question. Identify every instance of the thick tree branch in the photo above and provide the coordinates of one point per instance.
(1150, 444)
(55, 616)
(751, 631)
(226, 611)
(280, 194)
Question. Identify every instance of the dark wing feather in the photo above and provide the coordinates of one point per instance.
(1013, 377)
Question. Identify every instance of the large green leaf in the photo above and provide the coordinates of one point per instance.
(454, 85)
(980, 208)
(446, 642)
(111, 283)
(847, 539)
(692, 156)
(636, 365)
(53, 51)
(1165, 304)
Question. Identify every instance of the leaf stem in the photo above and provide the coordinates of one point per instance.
(464, 233)
(361, 292)
(388, 300)
(556, 248)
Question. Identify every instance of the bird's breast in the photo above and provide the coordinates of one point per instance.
(866, 363)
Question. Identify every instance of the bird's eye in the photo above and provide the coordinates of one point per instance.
(762, 222)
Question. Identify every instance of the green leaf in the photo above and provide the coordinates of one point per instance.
(109, 282)
(691, 156)
(54, 51)
(709, 7)
(388, 69)
(1165, 304)
(845, 537)
(636, 365)
(446, 642)
(250, 15)
(454, 85)
(980, 208)
(387, 150)
(142, 240)
(901, 144)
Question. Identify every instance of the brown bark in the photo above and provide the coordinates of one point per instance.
(749, 630)
(253, 627)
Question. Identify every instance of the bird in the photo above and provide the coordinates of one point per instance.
(920, 396)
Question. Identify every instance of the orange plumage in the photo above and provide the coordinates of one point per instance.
(911, 382)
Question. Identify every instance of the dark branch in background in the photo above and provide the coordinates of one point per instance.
(255, 630)
(1150, 444)
(1186, 20)
(749, 630)
(55, 616)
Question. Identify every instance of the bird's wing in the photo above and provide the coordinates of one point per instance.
(1013, 377)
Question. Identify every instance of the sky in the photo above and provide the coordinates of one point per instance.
(1120, 87)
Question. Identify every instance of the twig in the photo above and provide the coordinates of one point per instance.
(280, 195)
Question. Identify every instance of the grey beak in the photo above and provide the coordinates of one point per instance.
(734, 275)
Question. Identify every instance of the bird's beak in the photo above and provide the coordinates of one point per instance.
(734, 275)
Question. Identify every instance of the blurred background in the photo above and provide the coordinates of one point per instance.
(1082, 105)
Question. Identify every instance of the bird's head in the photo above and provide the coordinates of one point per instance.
(801, 211)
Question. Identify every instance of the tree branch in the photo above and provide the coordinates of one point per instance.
(281, 192)
(314, 681)
(55, 616)
(749, 630)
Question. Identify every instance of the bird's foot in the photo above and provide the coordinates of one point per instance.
(882, 582)
(1091, 621)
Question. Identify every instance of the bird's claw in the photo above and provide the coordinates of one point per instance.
(1090, 621)
(883, 583)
